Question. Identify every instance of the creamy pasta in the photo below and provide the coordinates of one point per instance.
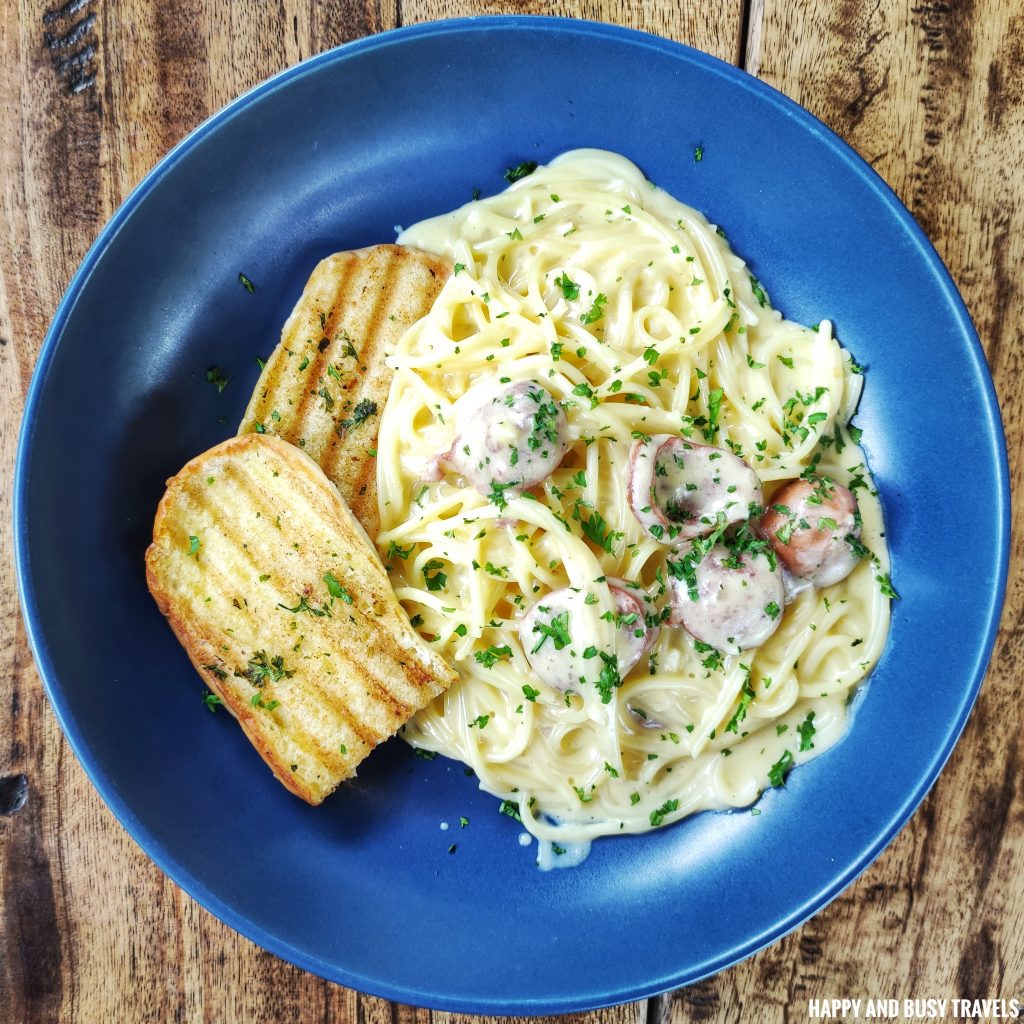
(586, 284)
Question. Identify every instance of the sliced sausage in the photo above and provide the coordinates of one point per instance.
(559, 645)
(677, 489)
(808, 523)
(508, 436)
(732, 602)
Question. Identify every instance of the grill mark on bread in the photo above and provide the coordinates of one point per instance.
(341, 285)
(369, 354)
(320, 360)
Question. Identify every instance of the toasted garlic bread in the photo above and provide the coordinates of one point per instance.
(284, 608)
(326, 382)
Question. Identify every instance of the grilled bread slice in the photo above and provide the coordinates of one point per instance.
(326, 382)
(282, 604)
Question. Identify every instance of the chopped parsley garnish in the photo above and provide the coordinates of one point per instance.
(771, 609)
(521, 170)
(492, 655)
(305, 606)
(335, 589)
(497, 495)
(216, 670)
(786, 361)
(215, 375)
(658, 816)
(686, 568)
(598, 531)
(609, 678)
(596, 311)
(194, 544)
(211, 700)
(362, 412)
(557, 630)
(427, 755)
(746, 696)
(856, 547)
(714, 409)
(778, 771)
(758, 291)
(261, 668)
(246, 283)
(511, 808)
(698, 154)
(545, 422)
(570, 289)
(806, 730)
(432, 575)
(885, 585)
(394, 551)
(529, 692)
(714, 659)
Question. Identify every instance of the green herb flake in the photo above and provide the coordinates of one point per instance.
(362, 412)
(492, 655)
(335, 589)
(596, 311)
(511, 808)
(432, 575)
(520, 170)
(778, 771)
(658, 816)
(557, 630)
(261, 667)
(570, 289)
(806, 730)
(215, 376)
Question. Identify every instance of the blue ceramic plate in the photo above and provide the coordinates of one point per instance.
(332, 155)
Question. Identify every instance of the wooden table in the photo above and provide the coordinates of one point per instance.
(94, 93)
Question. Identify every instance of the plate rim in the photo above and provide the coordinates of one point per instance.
(107, 786)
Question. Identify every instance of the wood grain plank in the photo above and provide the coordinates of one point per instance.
(715, 28)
